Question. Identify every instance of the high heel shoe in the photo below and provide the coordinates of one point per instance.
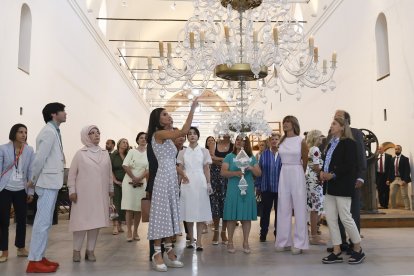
(158, 267)
(90, 256)
(230, 248)
(171, 263)
(224, 239)
(215, 237)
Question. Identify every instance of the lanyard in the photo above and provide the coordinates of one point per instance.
(16, 158)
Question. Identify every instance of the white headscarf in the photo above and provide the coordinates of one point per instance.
(94, 152)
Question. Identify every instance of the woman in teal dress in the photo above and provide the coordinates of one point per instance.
(239, 207)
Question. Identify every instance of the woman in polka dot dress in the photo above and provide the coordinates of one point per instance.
(165, 203)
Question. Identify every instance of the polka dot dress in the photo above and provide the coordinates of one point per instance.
(164, 218)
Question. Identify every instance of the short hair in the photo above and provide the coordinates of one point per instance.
(13, 131)
(112, 141)
(312, 137)
(139, 135)
(398, 146)
(51, 108)
(275, 134)
(195, 130)
(347, 116)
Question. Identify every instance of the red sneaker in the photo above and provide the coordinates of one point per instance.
(39, 267)
(49, 263)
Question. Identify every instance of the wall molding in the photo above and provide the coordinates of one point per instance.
(327, 13)
(100, 40)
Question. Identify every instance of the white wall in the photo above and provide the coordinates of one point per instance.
(68, 65)
(350, 30)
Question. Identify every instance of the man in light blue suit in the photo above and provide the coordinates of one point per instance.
(47, 178)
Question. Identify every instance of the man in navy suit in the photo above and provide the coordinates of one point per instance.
(400, 177)
(383, 170)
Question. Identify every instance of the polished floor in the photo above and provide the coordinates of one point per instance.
(389, 252)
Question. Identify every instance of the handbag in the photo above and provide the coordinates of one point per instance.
(259, 205)
(113, 213)
(145, 209)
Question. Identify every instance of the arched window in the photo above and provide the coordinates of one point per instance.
(25, 39)
(383, 56)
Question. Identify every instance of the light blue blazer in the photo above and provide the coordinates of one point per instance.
(7, 160)
(49, 162)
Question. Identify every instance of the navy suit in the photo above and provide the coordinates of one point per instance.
(382, 178)
(403, 174)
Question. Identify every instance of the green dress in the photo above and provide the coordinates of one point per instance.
(236, 206)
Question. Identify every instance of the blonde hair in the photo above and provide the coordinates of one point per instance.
(313, 137)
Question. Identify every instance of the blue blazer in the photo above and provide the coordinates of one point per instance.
(7, 160)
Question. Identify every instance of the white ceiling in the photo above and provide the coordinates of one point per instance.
(133, 28)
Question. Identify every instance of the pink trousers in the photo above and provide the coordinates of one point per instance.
(292, 195)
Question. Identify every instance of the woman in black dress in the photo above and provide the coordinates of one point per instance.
(218, 184)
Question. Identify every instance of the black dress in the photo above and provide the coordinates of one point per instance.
(219, 185)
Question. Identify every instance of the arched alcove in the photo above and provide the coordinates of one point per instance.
(381, 39)
(25, 39)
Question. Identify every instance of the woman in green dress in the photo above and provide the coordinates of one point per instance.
(239, 207)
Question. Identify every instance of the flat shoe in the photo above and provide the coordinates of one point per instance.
(296, 251)
(22, 252)
(281, 249)
(332, 259)
(137, 238)
(199, 248)
(3, 259)
(356, 257)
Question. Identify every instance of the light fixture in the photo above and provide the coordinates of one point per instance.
(242, 40)
(240, 122)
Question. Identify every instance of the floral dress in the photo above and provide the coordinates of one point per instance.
(313, 185)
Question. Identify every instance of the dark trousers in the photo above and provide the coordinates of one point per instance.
(269, 200)
(117, 202)
(355, 212)
(383, 190)
(18, 199)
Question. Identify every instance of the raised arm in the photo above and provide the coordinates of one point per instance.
(162, 135)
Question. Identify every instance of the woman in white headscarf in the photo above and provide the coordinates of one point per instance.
(90, 185)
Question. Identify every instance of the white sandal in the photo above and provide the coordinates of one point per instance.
(171, 263)
(158, 267)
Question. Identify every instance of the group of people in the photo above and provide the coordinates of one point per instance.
(192, 185)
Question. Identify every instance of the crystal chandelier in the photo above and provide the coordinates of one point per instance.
(240, 122)
(242, 40)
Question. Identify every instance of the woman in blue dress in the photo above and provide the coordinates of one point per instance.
(239, 207)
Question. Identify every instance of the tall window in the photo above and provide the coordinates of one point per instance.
(383, 56)
(25, 39)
